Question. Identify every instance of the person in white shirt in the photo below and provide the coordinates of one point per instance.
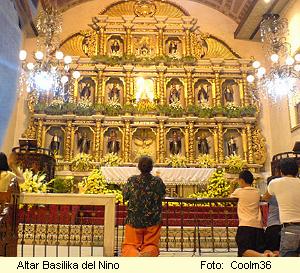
(250, 233)
(287, 192)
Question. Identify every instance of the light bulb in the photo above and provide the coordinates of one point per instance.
(250, 78)
(261, 71)
(59, 55)
(297, 67)
(22, 55)
(274, 58)
(67, 59)
(256, 64)
(76, 75)
(289, 60)
(39, 55)
(64, 79)
(297, 57)
(30, 66)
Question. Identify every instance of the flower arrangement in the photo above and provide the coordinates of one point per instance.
(96, 183)
(249, 111)
(232, 111)
(205, 111)
(62, 185)
(128, 108)
(176, 109)
(82, 162)
(111, 160)
(142, 152)
(68, 108)
(234, 163)
(144, 107)
(113, 107)
(33, 183)
(177, 161)
(84, 107)
(206, 161)
(55, 107)
(99, 108)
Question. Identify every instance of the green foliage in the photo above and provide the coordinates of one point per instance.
(248, 111)
(232, 111)
(68, 107)
(218, 111)
(62, 185)
(39, 107)
(235, 164)
(99, 108)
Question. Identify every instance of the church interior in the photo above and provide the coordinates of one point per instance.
(205, 88)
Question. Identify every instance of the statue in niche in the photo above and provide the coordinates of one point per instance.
(203, 146)
(232, 147)
(84, 143)
(55, 144)
(114, 93)
(175, 143)
(113, 145)
(174, 93)
(173, 47)
(115, 46)
(228, 94)
(203, 94)
(86, 90)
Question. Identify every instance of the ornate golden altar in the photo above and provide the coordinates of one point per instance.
(137, 56)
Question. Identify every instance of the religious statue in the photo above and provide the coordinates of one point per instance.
(228, 94)
(55, 144)
(173, 47)
(232, 147)
(114, 93)
(203, 94)
(203, 146)
(85, 91)
(84, 143)
(113, 145)
(115, 47)
(175, 144)
(174, 93)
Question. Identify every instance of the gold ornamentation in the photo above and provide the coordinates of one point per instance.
(259, 147)
(191, 135)
(68, 141)
(220, 143)
(250, 146)
(30, 132)
(145, 8)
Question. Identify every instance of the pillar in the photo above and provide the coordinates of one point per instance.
(220, 143)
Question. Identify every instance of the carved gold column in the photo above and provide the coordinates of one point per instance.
(161, 84)
(102, 39)
(186, 142)
(162, 139)
(218, 89)
(98, 136)
(216, 144)
(249, 141)
(191, 144)
(244, 141)
(127, 140)
(68, 141)
(246, 99)
(100, 85)
(128, 84)
(128, 38)
(160, 27)
(190, 91)
(39, 133)
(220, 143)
(187, 39)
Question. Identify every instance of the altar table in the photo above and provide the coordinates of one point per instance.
(170, 176)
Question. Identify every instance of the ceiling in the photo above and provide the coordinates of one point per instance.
(246, 13)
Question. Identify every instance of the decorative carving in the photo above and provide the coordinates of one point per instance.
(145, 8)
(89, 43)
(259, 147)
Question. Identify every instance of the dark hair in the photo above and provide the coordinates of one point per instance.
(3, 162)
(145, 164)
(289, 166)
(247, 176)
(270, 178)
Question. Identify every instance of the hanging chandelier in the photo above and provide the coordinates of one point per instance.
(278, 80)
(51, 70)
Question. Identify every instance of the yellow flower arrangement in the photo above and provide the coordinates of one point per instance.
(206, 161)
(33, 183)
(234, 163)
(82, 162)
(177, 161)
(142, 152)
(111, 160)
(96, 183)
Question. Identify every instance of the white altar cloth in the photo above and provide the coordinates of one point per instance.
(171, 176)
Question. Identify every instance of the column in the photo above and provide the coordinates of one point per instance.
(97, 141)
(161, 83)
(191, 132)
(100, 86)
(187, 39)
(127, 139)
(39, 133)
(102, 39)
(190, 93)
(220, 143)
(216, 144)
(218, 89)
(160, 27)
(68, 140)
(128, 84)
(162, 141)
(249, 142)
(244, 141)
(128, 38)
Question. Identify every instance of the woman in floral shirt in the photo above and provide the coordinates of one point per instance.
(144, 194)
